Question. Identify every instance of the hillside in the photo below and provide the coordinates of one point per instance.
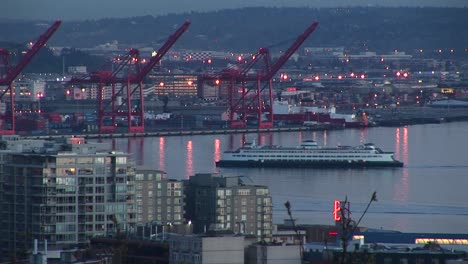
(374, 28)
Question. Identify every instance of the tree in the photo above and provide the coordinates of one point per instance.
(298, 236)
(348, 226)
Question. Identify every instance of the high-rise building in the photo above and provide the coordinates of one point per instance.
(214, 202)
(158, 199)
(63, 193)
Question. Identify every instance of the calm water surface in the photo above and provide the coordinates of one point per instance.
(429, 194)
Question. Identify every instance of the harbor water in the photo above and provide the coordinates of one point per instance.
(429, 194)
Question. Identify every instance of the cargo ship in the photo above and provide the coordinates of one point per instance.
(310, 155)
(310, 115)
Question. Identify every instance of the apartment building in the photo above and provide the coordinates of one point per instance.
(158, 199)
(63, 192)
(215, 202)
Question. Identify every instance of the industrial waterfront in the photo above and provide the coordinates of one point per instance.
(427, 195)
(111, 146)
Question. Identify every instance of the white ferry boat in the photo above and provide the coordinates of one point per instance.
(308, 154)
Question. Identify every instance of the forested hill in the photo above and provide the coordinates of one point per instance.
(374, 28)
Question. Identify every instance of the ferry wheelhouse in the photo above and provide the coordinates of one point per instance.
(308, 154)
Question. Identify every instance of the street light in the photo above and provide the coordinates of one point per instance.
(39, 95)
(188, 227)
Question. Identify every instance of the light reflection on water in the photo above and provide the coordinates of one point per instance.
(431, 186)
(217, 152)
(189, 160)
(161, 154)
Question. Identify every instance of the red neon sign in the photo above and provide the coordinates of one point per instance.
(337, 210)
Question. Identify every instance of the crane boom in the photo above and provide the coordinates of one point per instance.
(160, 53)
(41, 41)
(290, 51)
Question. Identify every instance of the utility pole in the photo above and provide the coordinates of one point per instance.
(348, 226)
(298, 236)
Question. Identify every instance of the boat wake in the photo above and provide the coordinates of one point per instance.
(431, 166)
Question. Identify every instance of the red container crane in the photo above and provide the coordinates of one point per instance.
(130, 85)
(12, 72)
(250, 94)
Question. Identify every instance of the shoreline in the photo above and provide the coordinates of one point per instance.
(393, 117)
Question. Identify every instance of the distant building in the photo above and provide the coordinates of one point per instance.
(158, 199)
(214, 202)
(174, 84)
(201, 249)
(273, 253)
(29, 89)
(63, 192)
(77, 70)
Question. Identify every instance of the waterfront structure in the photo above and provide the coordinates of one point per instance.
(215, 202)
(200, 249)
(29, 90)
(308, 154)
(158, 199)
(174, 85)
(62, 193)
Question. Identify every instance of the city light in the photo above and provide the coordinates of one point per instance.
(337, 210)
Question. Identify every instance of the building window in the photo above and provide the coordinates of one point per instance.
(121, 160)
(244, 192)
(65, 161)
(262, 191)
(139, 177)
(243, 201)
(221, 193)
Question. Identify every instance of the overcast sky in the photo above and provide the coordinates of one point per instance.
(96, 9)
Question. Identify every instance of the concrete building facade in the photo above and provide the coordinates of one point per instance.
(273, 254)
(214, 202)
(63, 193)
(158, 199)
(200, 249)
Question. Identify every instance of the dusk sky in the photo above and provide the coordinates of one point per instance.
(96, 9)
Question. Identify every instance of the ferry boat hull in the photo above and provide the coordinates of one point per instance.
(308, 164)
